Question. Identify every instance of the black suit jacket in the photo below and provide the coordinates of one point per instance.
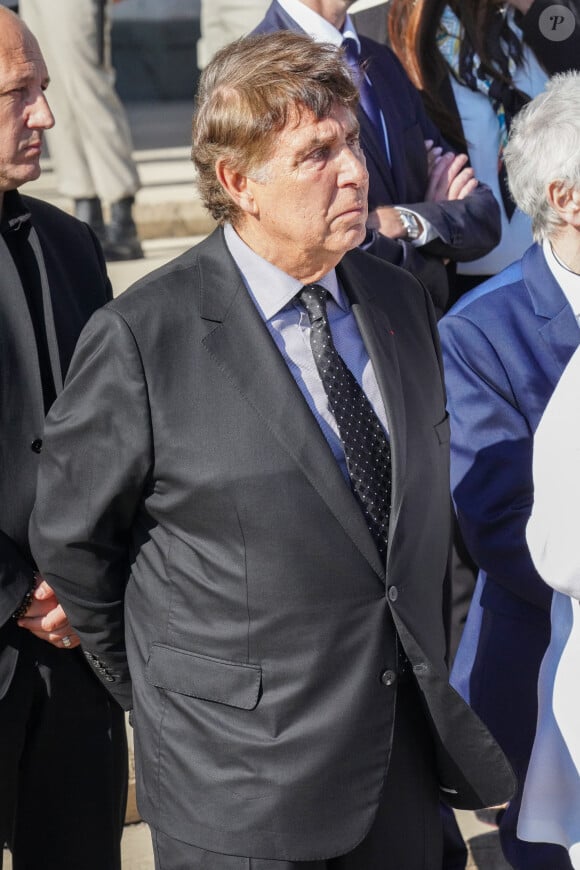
(467, 228)
(74, 283)
(207, 538)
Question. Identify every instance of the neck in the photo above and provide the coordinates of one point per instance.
(566, 246)
(301, 265)
(334, 11)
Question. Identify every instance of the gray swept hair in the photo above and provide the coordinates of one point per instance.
(544, 146)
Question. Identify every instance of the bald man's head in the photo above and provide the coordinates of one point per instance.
(24, 111)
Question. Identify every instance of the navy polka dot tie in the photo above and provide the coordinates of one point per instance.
(366, 448)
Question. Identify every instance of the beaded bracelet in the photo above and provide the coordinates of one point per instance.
(26, 602)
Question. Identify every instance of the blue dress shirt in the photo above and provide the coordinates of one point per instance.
(273, 293)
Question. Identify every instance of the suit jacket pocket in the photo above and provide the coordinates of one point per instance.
(236, 684)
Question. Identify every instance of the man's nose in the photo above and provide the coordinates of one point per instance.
(40, 115)
(354, 168)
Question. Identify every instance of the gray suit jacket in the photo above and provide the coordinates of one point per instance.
(195, 523)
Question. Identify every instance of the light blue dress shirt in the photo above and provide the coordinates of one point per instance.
(273, 293)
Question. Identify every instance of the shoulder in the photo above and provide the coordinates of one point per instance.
(370, 268)
(398, 293)
(178, 286)
(491, 300)
(46, 215)
(56, 227)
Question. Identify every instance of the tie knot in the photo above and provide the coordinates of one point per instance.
(313, 297)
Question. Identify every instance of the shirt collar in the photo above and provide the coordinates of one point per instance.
(568, 281)
(270, 288)
(318, 27)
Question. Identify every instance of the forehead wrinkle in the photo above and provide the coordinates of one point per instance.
(330, 136)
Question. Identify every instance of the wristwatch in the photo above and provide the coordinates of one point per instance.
(410, 223)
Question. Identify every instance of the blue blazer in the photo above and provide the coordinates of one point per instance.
(467, 228)
(505, 346)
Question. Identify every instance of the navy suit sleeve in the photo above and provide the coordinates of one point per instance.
(491, 460)
(467, 228)
(87, 498)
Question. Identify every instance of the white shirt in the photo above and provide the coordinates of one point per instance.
(568, 281)
(553, 531)
(550, 808)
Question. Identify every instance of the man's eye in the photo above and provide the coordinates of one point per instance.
(319, 153)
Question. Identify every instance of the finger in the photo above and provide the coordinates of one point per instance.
(438, 184)
(54, 620)
(468, 188)
(43, 590)
(57, 639)
(456, 166)
(459, 182)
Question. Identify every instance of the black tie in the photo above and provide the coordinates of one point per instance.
(366, 448)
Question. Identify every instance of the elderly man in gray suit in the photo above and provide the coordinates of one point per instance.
(244, 506)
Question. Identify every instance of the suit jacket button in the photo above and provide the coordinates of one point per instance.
(393, 593)
(388, 678)
(36, 445)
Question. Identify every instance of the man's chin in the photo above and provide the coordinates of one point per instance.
(30, 172)
(355, 236)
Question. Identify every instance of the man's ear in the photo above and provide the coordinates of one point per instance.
(236, 185)
(565, 201)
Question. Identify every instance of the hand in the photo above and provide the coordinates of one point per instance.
(522, 6)
(387, 221)
(433, 153)
(450, 178)
(46, 619)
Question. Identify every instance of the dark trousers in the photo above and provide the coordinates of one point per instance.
(63, 764)
(504, 692)
(406, 832)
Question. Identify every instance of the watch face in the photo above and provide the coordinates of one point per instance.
(410, 224)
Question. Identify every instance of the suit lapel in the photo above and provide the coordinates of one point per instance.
(375, 153)
(264, 380)
(393, 170)
(51, 339)
(24, 388)
(559, 328)
(380, 342)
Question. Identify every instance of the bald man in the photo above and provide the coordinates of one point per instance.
(62, 741)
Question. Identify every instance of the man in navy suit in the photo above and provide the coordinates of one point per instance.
(425, 206)
(505, 347)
